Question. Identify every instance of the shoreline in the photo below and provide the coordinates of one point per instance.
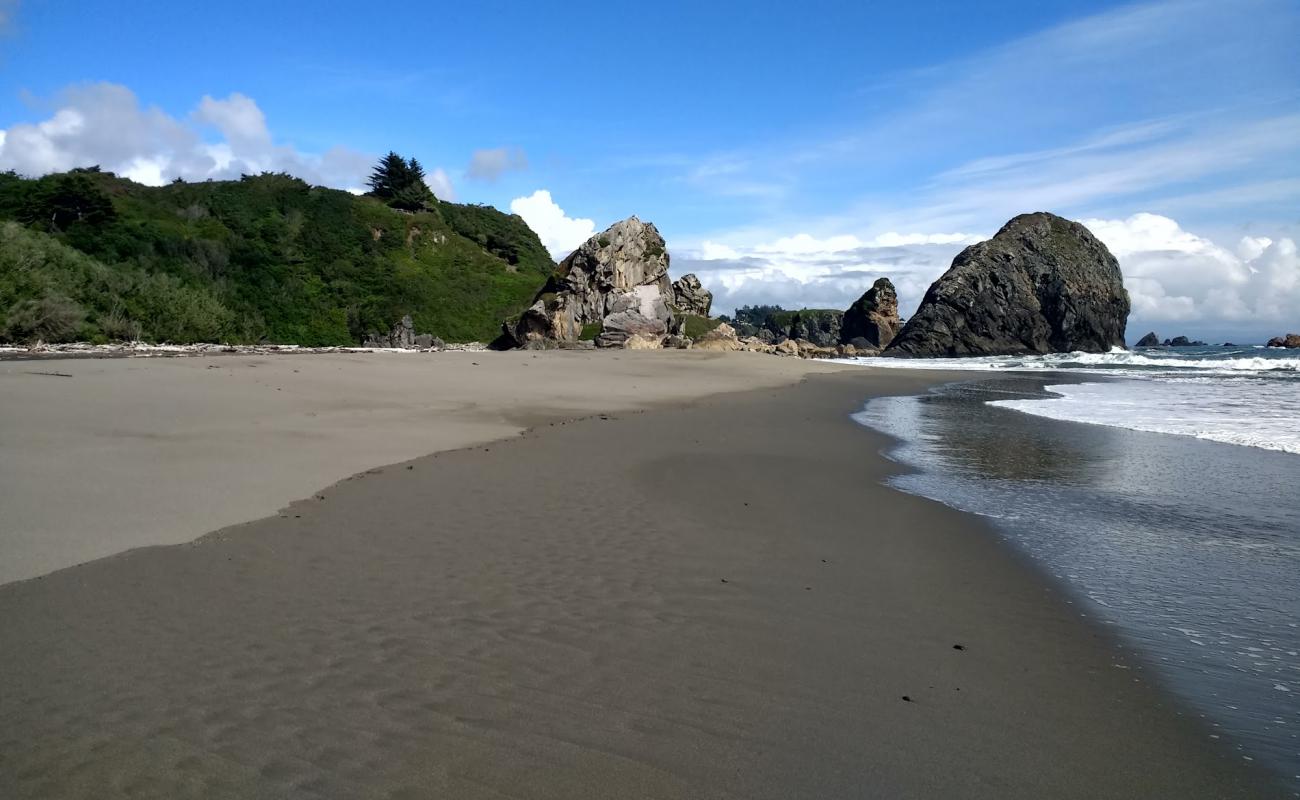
(715, 597)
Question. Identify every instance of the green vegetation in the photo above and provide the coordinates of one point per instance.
(88, 255)
(696, 326)
(590, 331)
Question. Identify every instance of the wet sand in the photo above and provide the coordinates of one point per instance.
(712, 599)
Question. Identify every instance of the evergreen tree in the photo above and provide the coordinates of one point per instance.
(390, 176)
(401, 183)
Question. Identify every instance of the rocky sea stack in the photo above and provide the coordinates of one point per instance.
(1043, 284)
(872, 320)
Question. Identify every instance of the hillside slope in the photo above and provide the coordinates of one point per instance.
(88, 255)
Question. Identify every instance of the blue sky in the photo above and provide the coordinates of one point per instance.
(789, 152)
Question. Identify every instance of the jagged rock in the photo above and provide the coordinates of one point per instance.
(1291, 340)
(402, 337)
(764, 335)
(1043, 284)
(1183, 341)
(753, 344)
(623, 269)
(1150, 340)
(809, 349)
(873, 317)
(676, 342)
(722, 338)
(690, 296)
(618, 327)
(820, 326)
(789, 347)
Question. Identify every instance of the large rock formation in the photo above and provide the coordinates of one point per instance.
(1150, 340)
(690, 296)
(1183, 341)
(873, 317)
(822, 327)
(1291, 340)
(1043, 284)
(618, 278)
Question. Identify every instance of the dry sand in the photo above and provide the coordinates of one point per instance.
(132, 452)
(716, 600)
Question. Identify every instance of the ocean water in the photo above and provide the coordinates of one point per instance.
(1117, 477)
(1237, 395)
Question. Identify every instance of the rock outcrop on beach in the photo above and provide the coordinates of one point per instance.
(1150, 340)
(873, 317)
(617, 280)
(690, 296)
(821, 327)
(1043, 284)
(1291, 340)
(402, 336)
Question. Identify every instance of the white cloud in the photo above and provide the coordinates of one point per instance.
(1174, 275)
(490, 164)
(440, 184)
(104, 124)
(803, 270)
(560, 233)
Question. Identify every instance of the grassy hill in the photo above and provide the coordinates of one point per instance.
(88, 255)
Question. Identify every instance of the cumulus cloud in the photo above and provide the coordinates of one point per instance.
(488, 165)
(1174, 275)
(806, 271)
(440, 184)
(560, 233)
(104, 124)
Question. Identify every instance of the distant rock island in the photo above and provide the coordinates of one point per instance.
(1043, 284)
(1291, 340)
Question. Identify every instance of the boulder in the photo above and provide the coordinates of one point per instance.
(1150, 340)
(1043, 284)
(789, 347)
(690, 296)
(676, 342)
(809, 349)
(1291, 340)
(753, 344)
(1183, 341)
(623, 269)
(401, 337)
(819, 326)
(643, 341)
(618, 327)
(721, 338)
(873, 318)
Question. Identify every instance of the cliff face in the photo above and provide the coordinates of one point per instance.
(1043, 284)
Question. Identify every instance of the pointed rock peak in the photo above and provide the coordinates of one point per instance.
(872, 321)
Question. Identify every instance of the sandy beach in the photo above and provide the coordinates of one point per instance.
(102, 455)
(631, 579)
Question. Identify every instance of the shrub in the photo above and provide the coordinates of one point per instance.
(53, 318)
